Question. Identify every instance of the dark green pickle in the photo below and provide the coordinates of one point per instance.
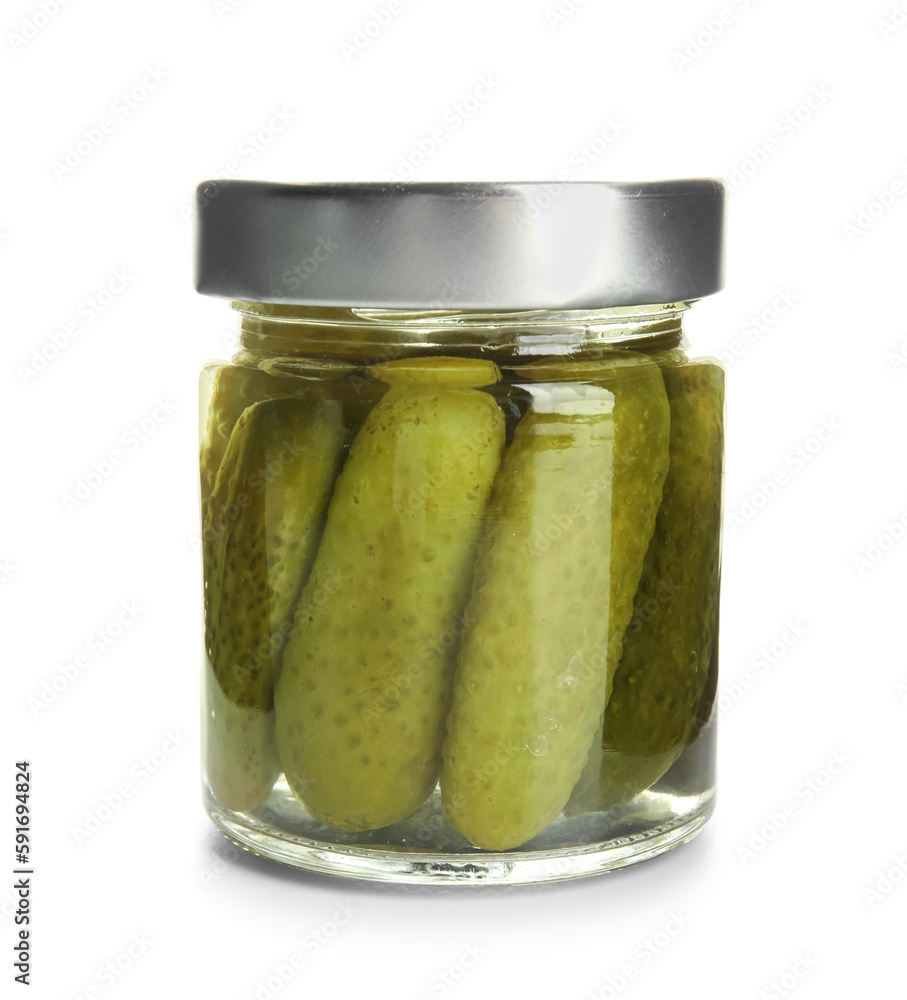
(667, 647)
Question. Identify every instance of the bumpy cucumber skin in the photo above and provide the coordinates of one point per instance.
(659, 684)
(366, 678)
(641, 454)
(531, 672)
(535, 669)
(259, 539)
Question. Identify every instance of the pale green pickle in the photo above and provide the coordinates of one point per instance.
(366, 678)
(660, 680)
(572, 515)
(259, 539)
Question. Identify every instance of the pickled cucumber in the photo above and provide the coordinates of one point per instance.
(573, 512)
(234, 388)
(366, 678)
(662, 674)
(259, 540)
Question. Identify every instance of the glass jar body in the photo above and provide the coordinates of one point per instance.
(461, 590)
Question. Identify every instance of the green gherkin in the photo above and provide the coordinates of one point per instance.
(572, 515)
(260, 534)
(660, 680)
(234, 387)
(366, 678)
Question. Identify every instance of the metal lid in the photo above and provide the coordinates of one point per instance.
(536, 245)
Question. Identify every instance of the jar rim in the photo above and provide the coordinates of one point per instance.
(522, 245)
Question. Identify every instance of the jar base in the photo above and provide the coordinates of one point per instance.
(423, 866)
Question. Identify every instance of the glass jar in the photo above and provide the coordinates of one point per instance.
(461, 510)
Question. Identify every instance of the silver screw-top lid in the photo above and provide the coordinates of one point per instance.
(536, 245)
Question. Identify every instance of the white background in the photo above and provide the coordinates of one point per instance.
(801, 105)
